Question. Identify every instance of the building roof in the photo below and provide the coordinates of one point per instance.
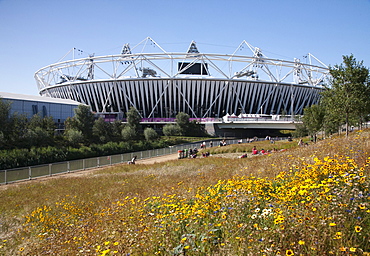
(15, 96)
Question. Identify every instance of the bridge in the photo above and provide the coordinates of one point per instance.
(230, 123)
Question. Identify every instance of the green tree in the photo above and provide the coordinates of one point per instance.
(133, 126)
(313, 119)
(117, 127)
(48, 124)
(171, 130)
(182, 120)
(102, 130)
(4, 122)
(40, 131)
(300, 130)
(133, 118)
(128, 133)
(83, 121)
(349, 92)
(74, 137)
(36, 137)
(16, 130)
(150, 134)
(4, 114)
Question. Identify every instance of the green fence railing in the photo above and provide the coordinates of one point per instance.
(33, 172)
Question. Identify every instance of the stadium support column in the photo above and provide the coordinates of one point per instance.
(291, 102)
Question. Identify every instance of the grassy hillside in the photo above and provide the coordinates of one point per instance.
(311, 200)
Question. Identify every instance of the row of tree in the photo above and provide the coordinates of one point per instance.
(344, 103)
(84, 129)
(31, 141)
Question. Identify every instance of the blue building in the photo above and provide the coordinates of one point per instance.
(29, 105)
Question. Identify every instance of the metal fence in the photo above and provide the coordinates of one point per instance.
(37, 171)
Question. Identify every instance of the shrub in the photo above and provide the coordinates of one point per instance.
(150, 134)
(171, 130)
(74, 137)
(128, 133)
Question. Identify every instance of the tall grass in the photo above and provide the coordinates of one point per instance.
(310, 200)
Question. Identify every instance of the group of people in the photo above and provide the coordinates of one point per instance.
(222, 143)
(193, 152)
(301, 143)
(261, 152)
(255, 152)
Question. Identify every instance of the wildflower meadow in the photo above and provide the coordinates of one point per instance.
(311, 200)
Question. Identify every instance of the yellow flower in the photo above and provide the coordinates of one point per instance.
(301, 242)
(362, 206)
(358, 228)
(332, 224)
(352, 249)
(187, 247)
(289, 252)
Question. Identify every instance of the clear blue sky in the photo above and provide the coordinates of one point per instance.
(36, 33)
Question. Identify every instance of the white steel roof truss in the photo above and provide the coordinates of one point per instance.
(154, 65)
(266, 69)
(215, 67)
(129, 67)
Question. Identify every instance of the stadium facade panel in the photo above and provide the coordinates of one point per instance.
(163, 84)
(200, 98)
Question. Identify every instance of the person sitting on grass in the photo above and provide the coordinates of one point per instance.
(132, 160)
(243, 156)
(254, 151)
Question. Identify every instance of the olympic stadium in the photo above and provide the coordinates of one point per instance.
(207, 86)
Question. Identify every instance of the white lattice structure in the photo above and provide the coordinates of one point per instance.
(203, 85)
